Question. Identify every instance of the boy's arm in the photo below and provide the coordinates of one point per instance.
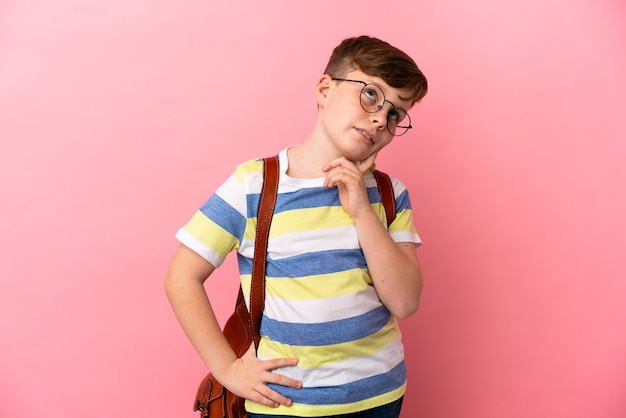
(394, 267)
(246, 376)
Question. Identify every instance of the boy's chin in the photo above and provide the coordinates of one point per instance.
(360, 155)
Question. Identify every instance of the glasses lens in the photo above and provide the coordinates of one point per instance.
(398, 121)
(372, 98)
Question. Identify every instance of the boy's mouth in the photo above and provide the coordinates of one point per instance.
(366, 134)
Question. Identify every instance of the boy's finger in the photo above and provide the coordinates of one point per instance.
(367, 163)
(338, 162)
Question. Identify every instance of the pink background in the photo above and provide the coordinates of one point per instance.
(118, 118)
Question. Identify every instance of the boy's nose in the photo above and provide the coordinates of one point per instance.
(379, 119)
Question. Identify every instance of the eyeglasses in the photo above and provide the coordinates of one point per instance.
(373, 99)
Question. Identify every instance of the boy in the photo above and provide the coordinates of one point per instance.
(337, 278)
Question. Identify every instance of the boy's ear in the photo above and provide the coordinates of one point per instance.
(322, 89)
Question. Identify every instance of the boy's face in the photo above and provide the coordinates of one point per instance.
(352, 117)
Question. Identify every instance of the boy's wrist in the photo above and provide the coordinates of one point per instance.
(365, 216)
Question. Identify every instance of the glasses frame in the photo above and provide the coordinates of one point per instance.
(365, 84)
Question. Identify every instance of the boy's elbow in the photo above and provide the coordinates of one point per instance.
(406, 310)
(403, 308)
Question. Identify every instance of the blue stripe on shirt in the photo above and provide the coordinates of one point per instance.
(315, 263)
(314, 197)
(224, 215)
(350, 392)
(403, 201)
(326, 333)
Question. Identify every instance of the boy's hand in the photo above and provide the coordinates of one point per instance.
(348, 177)
(248, 377)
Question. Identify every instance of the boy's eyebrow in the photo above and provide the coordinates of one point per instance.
(404, 99)
(408, 101)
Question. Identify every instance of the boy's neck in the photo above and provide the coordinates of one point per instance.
(306, 160)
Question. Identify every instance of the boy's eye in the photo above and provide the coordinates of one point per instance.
(396, 116)
(370, 96)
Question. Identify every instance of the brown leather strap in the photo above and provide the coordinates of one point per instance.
(267, 202)
(385, 188)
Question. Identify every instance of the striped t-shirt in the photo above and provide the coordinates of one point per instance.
(320, 304)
